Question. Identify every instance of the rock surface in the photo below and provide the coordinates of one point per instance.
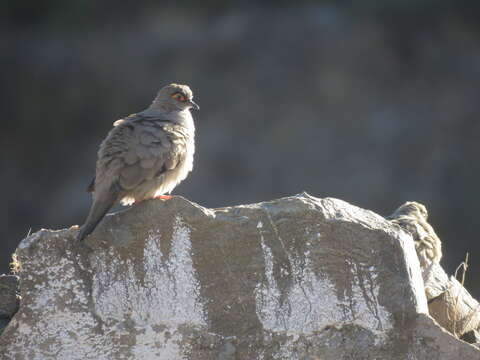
(450, 304)
(294, 278)
(9, 299)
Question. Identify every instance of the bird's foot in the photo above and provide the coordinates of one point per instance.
(163, 197)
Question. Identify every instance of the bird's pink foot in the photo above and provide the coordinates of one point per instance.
(163, 197)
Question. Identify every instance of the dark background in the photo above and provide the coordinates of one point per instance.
(374, 104)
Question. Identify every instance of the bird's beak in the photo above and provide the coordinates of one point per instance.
(194, 105)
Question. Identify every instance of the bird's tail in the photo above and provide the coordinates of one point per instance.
(98, 210)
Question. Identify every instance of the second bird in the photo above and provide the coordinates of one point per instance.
(145, 155)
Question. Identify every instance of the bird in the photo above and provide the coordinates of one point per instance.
(412, 217)
(145, 155)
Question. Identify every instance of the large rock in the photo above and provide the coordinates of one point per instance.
(295, 278)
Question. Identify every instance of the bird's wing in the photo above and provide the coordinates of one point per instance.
(139, 149)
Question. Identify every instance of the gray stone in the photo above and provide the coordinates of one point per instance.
(9, 299)
(294, 278)
(449, 303)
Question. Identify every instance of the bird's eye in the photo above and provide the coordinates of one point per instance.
(179, 97)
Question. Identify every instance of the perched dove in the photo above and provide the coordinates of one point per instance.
(412, 217)
(145, 155)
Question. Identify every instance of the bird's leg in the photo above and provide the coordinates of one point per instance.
(163, 197)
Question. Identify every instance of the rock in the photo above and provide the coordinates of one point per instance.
(294, 278)
(454, 309)
(435, 280)
(450, 304)
(8, 295)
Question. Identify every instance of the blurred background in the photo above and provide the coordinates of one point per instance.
(375, 104)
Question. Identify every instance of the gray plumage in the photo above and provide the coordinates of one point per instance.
(412, 217)
(145, 154)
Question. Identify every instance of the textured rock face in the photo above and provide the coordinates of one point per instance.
(295, 278)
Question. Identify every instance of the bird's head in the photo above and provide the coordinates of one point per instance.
(412, 208)
(175, 97)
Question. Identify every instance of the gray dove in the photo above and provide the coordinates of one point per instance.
(412, 217)
(145, 155)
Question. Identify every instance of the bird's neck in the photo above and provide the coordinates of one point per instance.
(181, 117)
(185, 119)
(162, 106)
